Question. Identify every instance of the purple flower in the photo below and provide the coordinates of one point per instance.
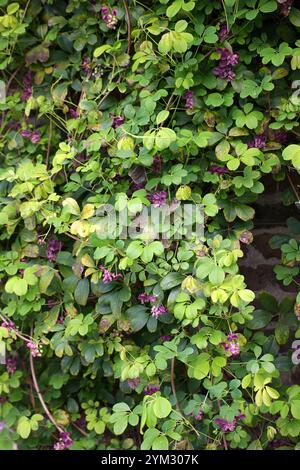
(158, 310)
(85, 65)
(285, 6)
(145, 298)
(51, 303)
(34, 349)
(108, 276)
(64, 441)
(54, 246)
(281, 137)
(225, 425)
(232, 345)
(150, 389)
(199, 415)
(158, 199)
(189, 99)
(227, 61)
(229, 425)
(246, 237)
(232, 336)
(223, 32)
(13, 125)
(27, 92)
(109, 18)
(258, 142)
(133, 383)
(26, 133)
(166, 338)
(156, 165)
(116, 120)
(35, 137)
(234, 349)
(11, 365)
(218, 169)
(8, 324)
(73, 113)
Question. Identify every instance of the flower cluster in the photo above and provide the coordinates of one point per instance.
(8, 324)
(285, 6)
(199, 416)
(145, 298)
(229, 425)
(27, 92)
(64, 441)
(151, 389)
(34, 136)
(156, 165)
(232, 345)
(86, 65)
(258, 142)
(34, 349)
(158, 199)
(109, 17)
(165, 338)
(223, 32)
(108, 276)
(54, 246)
(219, 170)
(158, 310)
(11, 365)
(189, 99)
(133, 383)
(116, 120)
(228, 60)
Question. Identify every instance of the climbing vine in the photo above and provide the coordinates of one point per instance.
(145, 342)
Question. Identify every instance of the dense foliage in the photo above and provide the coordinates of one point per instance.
(120, 343)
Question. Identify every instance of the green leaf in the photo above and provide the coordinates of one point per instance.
(101, 49)
(261, 318)
(162, 116)
(120, 425)
(137, 317)
(82, 292)
(216, 275)
(171, 280)
(162, 407)
(160, 443)
(295, 408)
(294, 17)
(173, 9)
(23, 427)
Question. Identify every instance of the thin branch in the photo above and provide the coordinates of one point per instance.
(292, 186)
(40, 396)
(12, 78)
(80, 430)
(128, 26)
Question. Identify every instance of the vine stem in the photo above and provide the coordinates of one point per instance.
(85, 434)
(173, 383)
(128, 26)
(49, 143)
(292, 186)
(38, 392)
